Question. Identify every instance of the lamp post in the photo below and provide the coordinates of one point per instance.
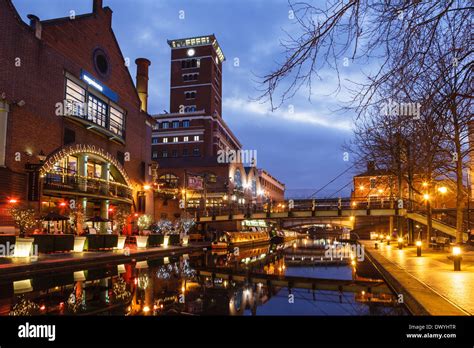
(400, 243)
(418, 248)
(457, 258)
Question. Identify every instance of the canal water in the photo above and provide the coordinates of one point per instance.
(189, 284)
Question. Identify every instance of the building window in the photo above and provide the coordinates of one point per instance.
(190, 63)
(175, 124)
(190, 95)
(169, 179)
(154, 155)
(185, 139)
(191, 108)
(196, 138)
(154, 140)
(174, 153)
(186, 124)
(164, 153)
(165, 140)
(211, 178)
(373, 183)
(175, 139)
(238, 178)
(165, 125)
(97, 111)
(116, 121)
(190, 77)
(196, 151)
(185, 153)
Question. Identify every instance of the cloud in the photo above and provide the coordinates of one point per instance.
(290, 114)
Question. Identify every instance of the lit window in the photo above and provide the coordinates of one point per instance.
(97, 110)
(154, 155)
(196, 138)
(175, 139)
(185, 139)
(165, 153)
(116, 121)
(165, 140)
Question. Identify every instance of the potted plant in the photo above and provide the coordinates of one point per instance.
(165, 226)
(77, 218)
(143, 223)
(24, 218)
(120, 221)
(184, 226)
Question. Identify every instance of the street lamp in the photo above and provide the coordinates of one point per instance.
(388, 239)
(457, 258)
(418, 248)
(400, 243)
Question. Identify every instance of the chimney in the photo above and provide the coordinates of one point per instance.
(370, 166)
(142, 81)
(96, 5)
(35, 24)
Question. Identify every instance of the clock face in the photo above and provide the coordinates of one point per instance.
(191, 52)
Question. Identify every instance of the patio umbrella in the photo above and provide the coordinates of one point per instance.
(52, 216)
(97, 219)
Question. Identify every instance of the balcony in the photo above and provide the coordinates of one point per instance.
(76, 184)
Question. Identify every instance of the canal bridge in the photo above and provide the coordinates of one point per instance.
(342, 212)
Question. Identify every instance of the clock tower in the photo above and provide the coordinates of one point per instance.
(196, 75)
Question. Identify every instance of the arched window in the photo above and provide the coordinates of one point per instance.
(238, 178)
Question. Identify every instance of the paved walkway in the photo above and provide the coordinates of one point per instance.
(11, 267)
(429, 279)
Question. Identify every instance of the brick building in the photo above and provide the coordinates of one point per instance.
(193, 139)
(73, 128)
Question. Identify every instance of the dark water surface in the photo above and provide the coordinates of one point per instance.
(183, 285)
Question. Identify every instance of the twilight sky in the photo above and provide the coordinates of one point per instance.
(302, 148)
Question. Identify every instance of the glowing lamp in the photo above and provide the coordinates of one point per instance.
(456, 251)
(443, 189)
(418, 243)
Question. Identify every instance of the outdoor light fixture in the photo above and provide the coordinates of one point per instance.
(191, 52)
(146, 187)
(41, 156)
(457, 258)
(426, 196)
(443, 189)
(388, 239)
(13, 201)
(418, 248)
(400, 243)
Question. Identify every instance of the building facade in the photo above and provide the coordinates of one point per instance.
(194, 141)
(74, 130)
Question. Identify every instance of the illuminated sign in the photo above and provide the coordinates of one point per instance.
(91, 81)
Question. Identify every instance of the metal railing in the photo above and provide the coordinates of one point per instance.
(76, 183)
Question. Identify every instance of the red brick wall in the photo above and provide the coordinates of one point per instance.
(39, 80)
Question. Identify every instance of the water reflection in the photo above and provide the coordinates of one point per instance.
(236, 282)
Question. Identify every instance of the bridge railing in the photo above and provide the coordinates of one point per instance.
(324, 204)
